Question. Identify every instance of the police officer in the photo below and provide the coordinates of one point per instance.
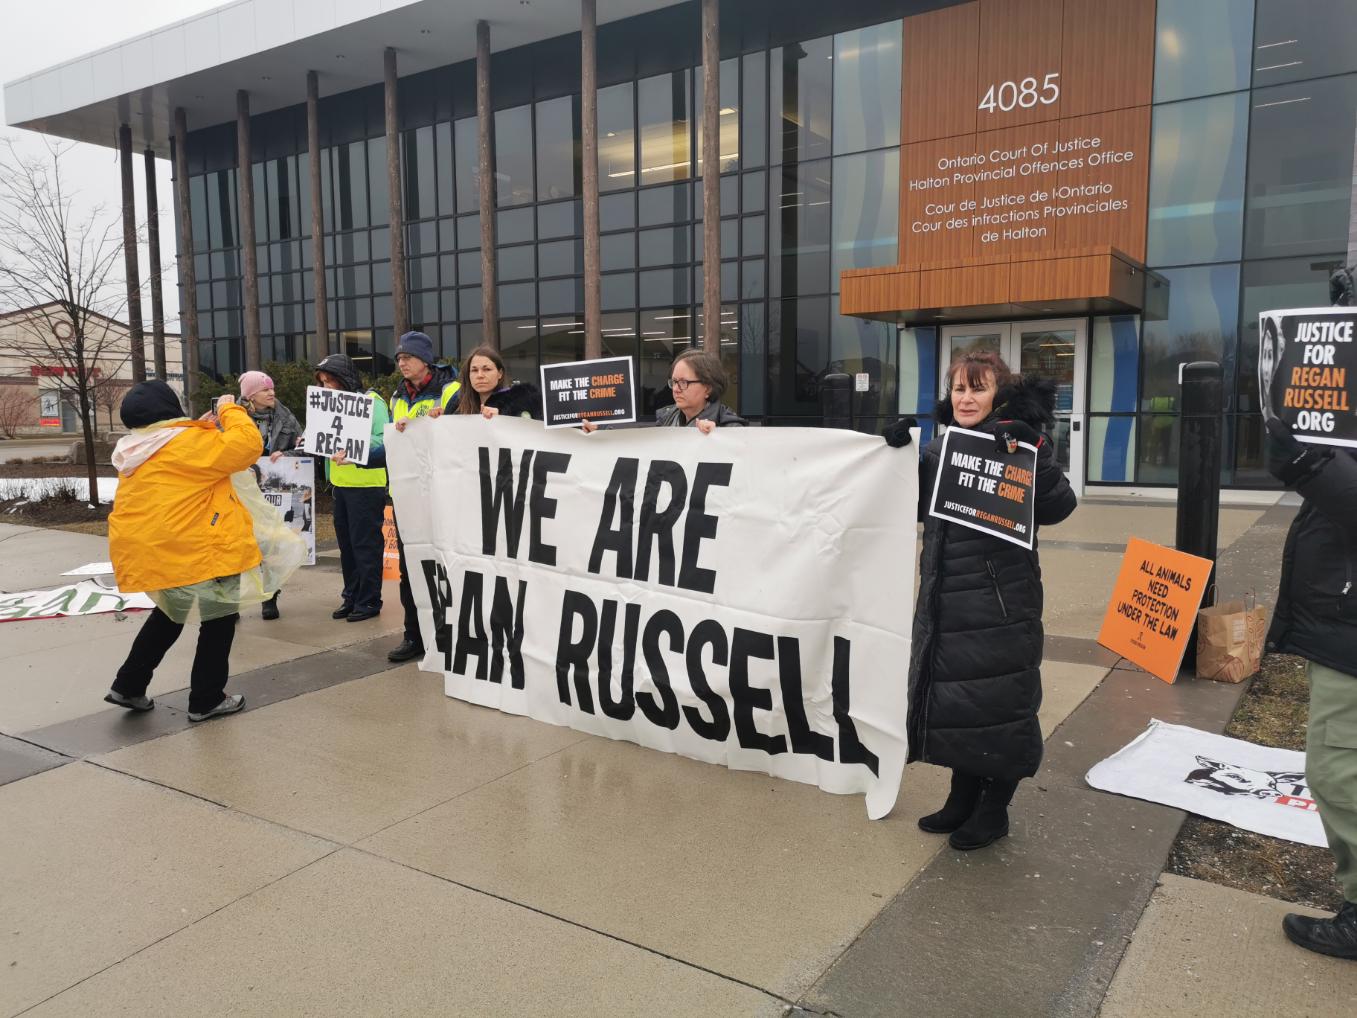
(425, 390)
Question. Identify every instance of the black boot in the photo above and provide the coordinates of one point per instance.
(989, 822)
(957, 809)
(270, 609)
(1336, 937)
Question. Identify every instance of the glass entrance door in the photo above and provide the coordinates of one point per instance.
(1052, 349)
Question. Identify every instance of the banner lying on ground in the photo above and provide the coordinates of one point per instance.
(742, 598)
(84, 598)
(289, 485)
(1257, 788)
(1307, 372)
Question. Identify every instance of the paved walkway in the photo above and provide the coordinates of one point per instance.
(358, 843)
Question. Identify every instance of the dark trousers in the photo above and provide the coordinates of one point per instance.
(210, 662)
(358, 528)
(408, 598)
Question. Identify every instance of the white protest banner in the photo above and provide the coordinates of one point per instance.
(91, 569)
(289, 485)
(336, 421)
(986, 489)
(1257, 788)
(743, 598)
(84, 598)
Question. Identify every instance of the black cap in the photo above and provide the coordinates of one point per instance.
(148, 403)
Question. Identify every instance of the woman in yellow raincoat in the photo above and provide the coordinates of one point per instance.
(184, 532)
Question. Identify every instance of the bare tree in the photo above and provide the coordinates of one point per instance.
(62, 268)
(15, 405)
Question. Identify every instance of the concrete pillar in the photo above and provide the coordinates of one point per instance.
(589, 156)
(249, 261)
(324, 343)
(188, 273)
(136, 337)
(486, 170)
(593, 317)
(153, 238)
(399, 303)
(711, 176)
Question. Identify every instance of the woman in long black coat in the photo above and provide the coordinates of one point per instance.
(975, 665)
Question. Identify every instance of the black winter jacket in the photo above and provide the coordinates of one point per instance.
(724, 417)
(975, 663)
(520, 399)
(1316, 614)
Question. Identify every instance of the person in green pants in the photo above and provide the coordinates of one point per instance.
(1316, 618)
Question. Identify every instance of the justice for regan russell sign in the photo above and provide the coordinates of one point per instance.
(742, 598)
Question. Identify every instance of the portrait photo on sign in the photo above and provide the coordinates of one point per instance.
(1307, 373)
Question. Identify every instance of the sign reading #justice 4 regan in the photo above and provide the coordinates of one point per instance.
(338, 422)
(1307, 372)
(742, 598)
(602, 391)
(986, 489)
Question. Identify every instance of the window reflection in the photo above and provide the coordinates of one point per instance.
(866, 211)
(1296, 41)
(1202, 47)
(800, 229)
(616, 138)
(867, 88)
(662, 109)
(1197, 180)
(558, 148)
(802, 77)
(513, 156)
(1200, 327)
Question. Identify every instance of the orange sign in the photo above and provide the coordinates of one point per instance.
(391, 563)
(1154, 606)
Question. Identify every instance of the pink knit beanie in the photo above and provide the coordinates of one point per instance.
(253, 382)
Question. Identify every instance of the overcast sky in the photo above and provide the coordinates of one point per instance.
(39, 34)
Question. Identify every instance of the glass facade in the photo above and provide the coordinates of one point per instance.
(1249, 197)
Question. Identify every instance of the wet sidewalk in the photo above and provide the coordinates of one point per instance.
(358, 843)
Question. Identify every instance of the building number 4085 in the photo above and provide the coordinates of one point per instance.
(1026, 93)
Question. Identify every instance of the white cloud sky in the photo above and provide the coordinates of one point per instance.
(38, 35)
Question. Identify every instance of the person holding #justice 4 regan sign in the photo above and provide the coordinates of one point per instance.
(975, 664)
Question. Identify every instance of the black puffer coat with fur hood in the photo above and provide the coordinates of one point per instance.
(975, 665)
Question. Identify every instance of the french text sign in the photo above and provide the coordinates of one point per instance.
(742, 598)
(338, 421)
(1307, 372)
(602, 391)
(1154, 606)
(989, 490)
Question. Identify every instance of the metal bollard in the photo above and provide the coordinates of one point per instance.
(1199, 451)
(836, 401)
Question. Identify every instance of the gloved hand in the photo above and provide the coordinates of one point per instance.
(897, 434)
(1288, 459)
(1017, 431)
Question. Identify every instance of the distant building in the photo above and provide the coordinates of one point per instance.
(31, 389)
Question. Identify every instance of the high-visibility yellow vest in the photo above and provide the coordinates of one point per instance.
(402, 409)
(351, 475)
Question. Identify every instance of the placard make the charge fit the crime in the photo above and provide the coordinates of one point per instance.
(985, 489)
(338, 421)
(602, 391)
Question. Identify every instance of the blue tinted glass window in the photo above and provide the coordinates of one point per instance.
(866, 211)
(1197, 180)
(1202, 47)
(1299, 39)
(867, 88)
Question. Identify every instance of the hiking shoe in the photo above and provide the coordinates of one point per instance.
(229, 705)
(1336, 937)
(136, 703)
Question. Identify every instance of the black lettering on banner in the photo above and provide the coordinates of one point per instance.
(473, 587)
(706, 633)
(851, 750)
(624, 707)
(337, 425)
(540, 507)
(749, 698)
(700, 526)
(621, 488)
(506, 629)
(804, 739)
(658, 524)
(440, 598)
(573, 655)
(493, 503)
(666, 713)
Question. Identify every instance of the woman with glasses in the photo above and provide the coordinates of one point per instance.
(697, 381)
